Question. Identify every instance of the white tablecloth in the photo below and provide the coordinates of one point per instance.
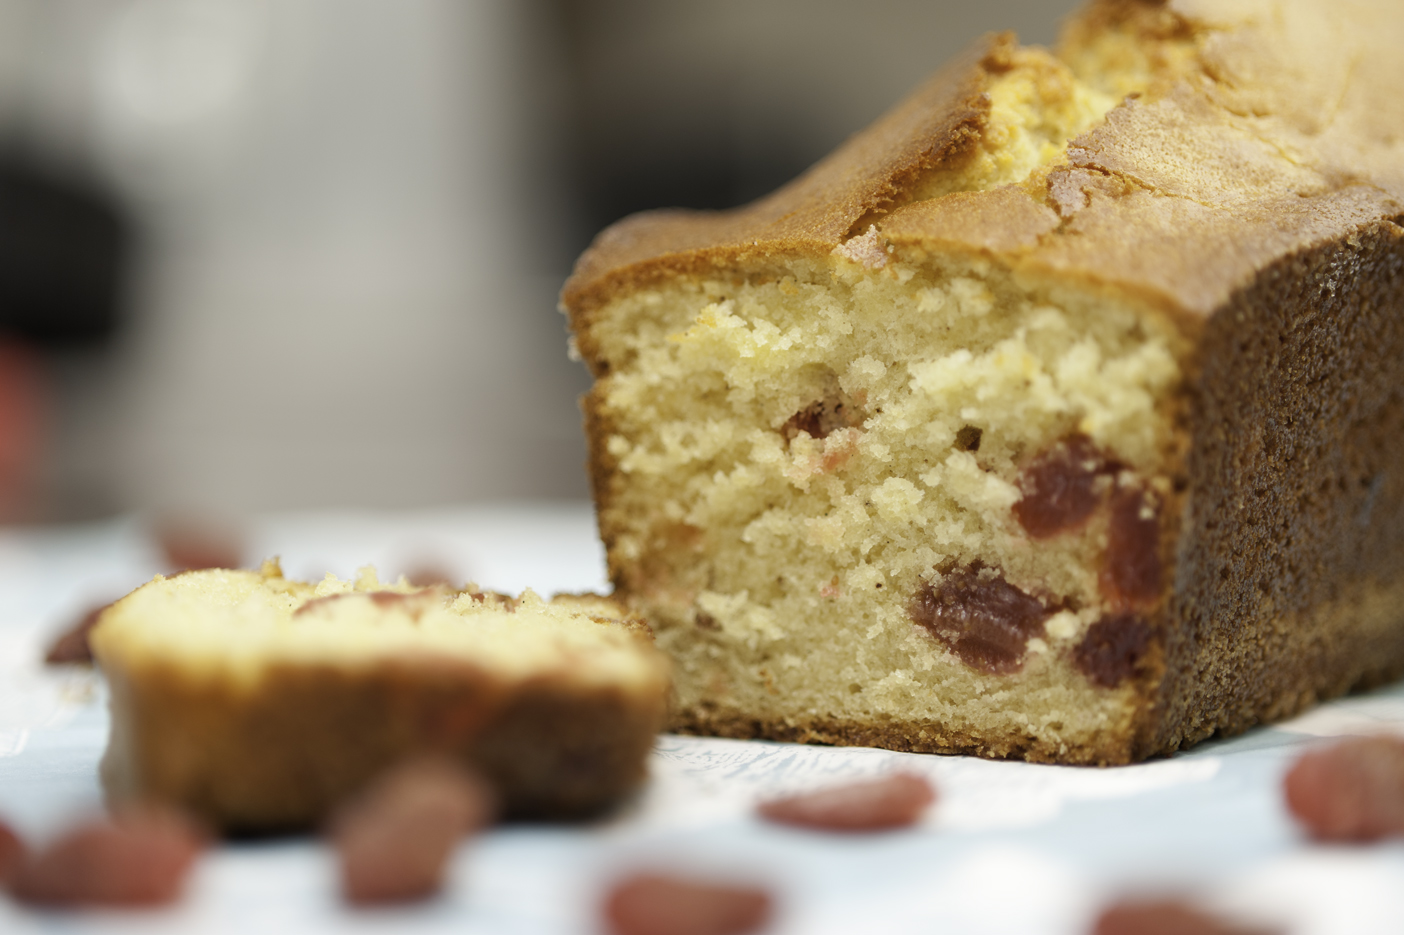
(1010, 847)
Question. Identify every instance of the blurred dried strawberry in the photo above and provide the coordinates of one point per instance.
(1353, 791)
(72, 645)
(649, 904)
(1165, 917)
(192, 543)
(894, 801)
(395, 839)
(140, 857)
(24, 415)
(12, 853)
(428, 574)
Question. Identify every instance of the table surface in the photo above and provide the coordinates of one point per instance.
(1010, 847)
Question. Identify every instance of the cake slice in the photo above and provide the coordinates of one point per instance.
(1056, 415)
(260, 703)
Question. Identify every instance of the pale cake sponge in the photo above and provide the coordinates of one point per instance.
(260, 703)
(1059, 414)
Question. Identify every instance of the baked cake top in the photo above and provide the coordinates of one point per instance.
(1169, 153)
(239, 626)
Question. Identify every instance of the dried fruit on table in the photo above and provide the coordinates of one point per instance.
(72, 644)
(12, 853)
(190, 543)
(1353, 791)
(141, 857)
(394, 841)
(650, 904)
(1166, 917)
(894, 801)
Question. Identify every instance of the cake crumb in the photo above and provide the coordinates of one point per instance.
(867, 249)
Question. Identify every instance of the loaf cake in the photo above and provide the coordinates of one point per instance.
(260, 703)
(1056, 415)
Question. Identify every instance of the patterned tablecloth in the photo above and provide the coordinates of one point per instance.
(1010, 847)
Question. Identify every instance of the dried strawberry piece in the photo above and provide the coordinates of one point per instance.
(395, 839)
(894, 801)
(428, 574)
(12, 853)
(650, 904)
(1132, 571)
(1165, 917)
(834, 410)
(1353, 791)
(191, 543)
(1059, 486)
(986, 621)
(140, 857)
(1113, 648)
(72, 645)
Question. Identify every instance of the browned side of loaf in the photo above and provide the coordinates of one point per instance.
(1290, 586)
(278, 758)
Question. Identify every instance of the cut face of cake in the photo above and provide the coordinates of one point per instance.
(260, 703)
(1056, 415)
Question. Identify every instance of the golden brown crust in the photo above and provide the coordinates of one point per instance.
(1299, 438)
(1007, 220)
(1186, 196)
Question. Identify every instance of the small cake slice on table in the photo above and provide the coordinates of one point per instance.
(1059, 414)
(260, 703)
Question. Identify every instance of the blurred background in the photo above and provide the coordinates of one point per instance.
(268, 254)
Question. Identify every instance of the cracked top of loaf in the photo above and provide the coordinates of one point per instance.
(1168, 152)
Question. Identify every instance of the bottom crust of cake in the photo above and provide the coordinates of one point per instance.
(902, 736)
